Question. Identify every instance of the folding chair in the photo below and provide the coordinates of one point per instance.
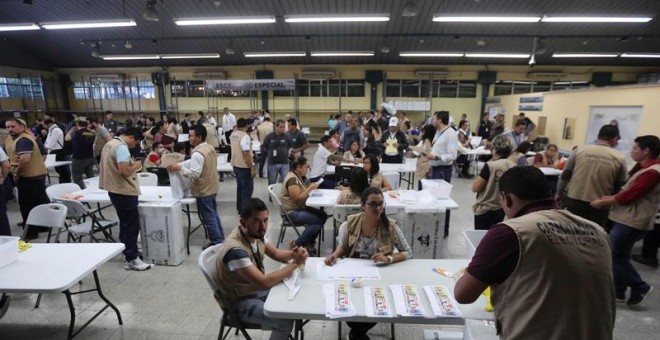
(88, 223)
(340, 214)
(57, 190)
(273, 191)
(206, 263)
(342, 172)
(162, 175)
(147, 179)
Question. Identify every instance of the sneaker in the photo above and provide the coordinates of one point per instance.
(653, 263)
(137, 265)
(636, 298)
(621, 298)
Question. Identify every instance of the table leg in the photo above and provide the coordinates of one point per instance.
(100, 292)
(447, 217)
(392, 331)
(189, 226)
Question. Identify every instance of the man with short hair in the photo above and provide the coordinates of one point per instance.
(26, 161)
(263, 130)
(277, 145)
(203, 174)
(394, 142)
(241, 160)
(517, 134)
(110, 124)
(211, 119)
(102, 136)
(117, 176)
(498, 125)
(444, 147)
(324, 156)
(55, 145)
(228, 123)
(351, 133)
(82, 143)
(485, 126)
(241, 273)
(591, 172)
(530, 127)
(550, 272)
(299, 141)
(343, 124)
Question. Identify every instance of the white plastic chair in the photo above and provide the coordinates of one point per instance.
(273, 191)
(147, 179)
(393, 178)
(87, 222)
(340, 214)
(57, 190)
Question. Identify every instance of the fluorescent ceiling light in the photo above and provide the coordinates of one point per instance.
(445, 18)
(585, 55)
(430, 54)
(131, 57)
(274, 54)
(343, 54)
(497, 55)
(88, 24)
(224, 21)
(190, 56)
(640, 55)
(337, 18)
(596, 19)
(19, 27)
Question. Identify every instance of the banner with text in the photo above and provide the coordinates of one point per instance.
(251, 84)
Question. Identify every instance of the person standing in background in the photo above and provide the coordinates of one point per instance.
(444, 148)
(298, 139)
(263, 130)
(393, 142)
(277, 145)
(110, 124)
(102, 136)
(498, 125)
(55, 145)
(485, 126)
(211, 119)
(241, 160)
(83, 152)
(5, 229)
(228, 123)
(516, 135)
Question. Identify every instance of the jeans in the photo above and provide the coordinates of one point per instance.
(208, 210)
(262, 162)
(244, 186)
(80, 167)
(392, 159)
(441, 172)
(313, 218)
(252, 311)
(328, 182)
(64, 171)
(5, 229)
(129, 223)
(625, 275)
(584, 210)
(275, 171)
(650, 245)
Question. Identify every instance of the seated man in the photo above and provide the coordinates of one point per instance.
(241, 273)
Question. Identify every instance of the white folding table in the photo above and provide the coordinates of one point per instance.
(55, 268)
(406, 170)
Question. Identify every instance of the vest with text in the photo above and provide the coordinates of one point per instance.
(488, 197)
(35, 167)
(596, 172)
(237, 156)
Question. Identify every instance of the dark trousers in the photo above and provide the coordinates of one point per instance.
(584, 210)
(392, 159)
(80, 167)
(441, 172)
(5, 229)
(464, 164)
(488, 219)
(64, 172)
(651, 243)
(31, 193)
(329, 182)
(244, 186)
(262, 162)
(129, 222)
(623, 239)
(359, 329)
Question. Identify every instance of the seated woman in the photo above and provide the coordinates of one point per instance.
(376, 178)
(464, 146)
(370, 235)
(354, 155)
(548, 158)
(519, 156)
(295, 191)
(358, 183)
(488, 209)
(154, 157)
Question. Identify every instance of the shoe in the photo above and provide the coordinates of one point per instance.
(351, 336)
(621, 298)
(653, 263)
(137, 265)
(636, 298)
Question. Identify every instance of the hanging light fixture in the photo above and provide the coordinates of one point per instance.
(96, 50)
(150, 13)
(229, 50)
(410, 9)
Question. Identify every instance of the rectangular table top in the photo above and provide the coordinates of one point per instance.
(148, 194)
(409, 167)
(325, 198)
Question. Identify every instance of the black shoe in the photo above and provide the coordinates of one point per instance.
(621, 297)
(645, 261)
(636, 298)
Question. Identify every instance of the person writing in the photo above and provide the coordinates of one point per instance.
(370, 235)
(352, 194)
(376, 178)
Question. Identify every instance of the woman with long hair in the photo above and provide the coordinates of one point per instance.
(358, 183)
(376, 178)
(424, 148)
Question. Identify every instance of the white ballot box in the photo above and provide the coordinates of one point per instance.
(162, 233)
(425, 240)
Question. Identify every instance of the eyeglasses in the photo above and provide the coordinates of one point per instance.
(375, 205)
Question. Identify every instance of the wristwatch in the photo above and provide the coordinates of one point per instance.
(390, 258)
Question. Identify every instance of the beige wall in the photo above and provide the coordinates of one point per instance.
(558, 106)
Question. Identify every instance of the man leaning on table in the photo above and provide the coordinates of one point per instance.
(550, 271)
(117, 176)
(241, 273)
(203, 172)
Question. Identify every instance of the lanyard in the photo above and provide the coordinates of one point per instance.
(257, 255)
(440, 135)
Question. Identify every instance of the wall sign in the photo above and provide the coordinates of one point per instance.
(251, 84)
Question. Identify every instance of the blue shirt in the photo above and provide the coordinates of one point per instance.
(122, 154)
(445, 146)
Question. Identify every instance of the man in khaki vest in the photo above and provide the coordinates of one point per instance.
(592, 171)
(203, 173)
(26, 161)
(117, 176)
(633, 215)
(263, 130)
(241, 273)
(550, 272)
(241, 160)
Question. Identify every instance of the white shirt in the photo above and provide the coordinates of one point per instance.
(320, 162)
(228, 121)
(211, 120)
(55, 138)
(196, 166)
(3, 156)
(246, 143)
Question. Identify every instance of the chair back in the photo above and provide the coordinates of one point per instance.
(274, 191)
(342, 211)
(57, 190)
(393, 178)
(147, 179)
(75, 209)
(342, 172)
(52, 215)
(206, 263)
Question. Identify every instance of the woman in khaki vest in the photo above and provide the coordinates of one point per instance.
(372, 236)
(376, 178)
(547, 158)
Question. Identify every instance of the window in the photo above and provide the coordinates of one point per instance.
(327, 88)
(434, 88)
(195, 88)
(393, 88)
(446, 89)
(354, 88)
(541, 86)
(410, 88)
(20, 87)
(118, 89)
(467, 89)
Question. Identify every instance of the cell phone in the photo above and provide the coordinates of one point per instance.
(319, 181)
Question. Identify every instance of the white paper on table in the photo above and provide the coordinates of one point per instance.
(415, 197)
(442, 302)
(338, 300)
(347, 270)
(294, 283)
(376, 303)
(407, 301)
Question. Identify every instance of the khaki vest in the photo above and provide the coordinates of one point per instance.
(287, 202)
(562, 287)
(423, 165)
(545, 162)
(488, 197)
(207, 183)
(264, 129)
(377, 181)
(640, 213)
(232, 285)
(99, 142)
(347, 197)
(385, 234)
(212, 135)
(596, 172)
(237, 157)
(110, 178)
(35, 167)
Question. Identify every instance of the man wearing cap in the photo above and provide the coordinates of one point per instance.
(394, 142)
(26, 161)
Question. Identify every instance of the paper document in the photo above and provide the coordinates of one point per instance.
(338, 300)
(415, 197)
(407, 301)
(294, 283)
(442, 302)
(376, 303)
(347, 270)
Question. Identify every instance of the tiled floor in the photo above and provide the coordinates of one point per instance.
(176, 303)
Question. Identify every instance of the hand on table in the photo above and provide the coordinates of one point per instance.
(299, 255)
(330, 260)
(380, 258)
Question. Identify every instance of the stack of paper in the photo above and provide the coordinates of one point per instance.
(376, 303)
(407, 301)
(442, 303)
(338, 300)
